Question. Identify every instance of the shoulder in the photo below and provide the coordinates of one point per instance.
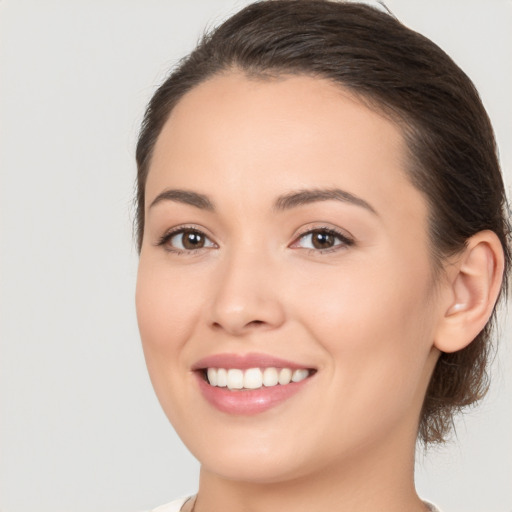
(431, 507)
(173, 506)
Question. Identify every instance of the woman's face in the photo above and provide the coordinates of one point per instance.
(283, 238)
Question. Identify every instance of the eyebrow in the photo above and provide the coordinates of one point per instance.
(184, 196)
(304, 197)
(284, 202)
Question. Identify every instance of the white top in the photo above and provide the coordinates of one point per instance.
(175, 506)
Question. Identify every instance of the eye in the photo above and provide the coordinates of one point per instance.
(322, 239)
(185, 240)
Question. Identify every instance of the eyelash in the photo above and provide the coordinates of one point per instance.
(344, 239)
(163, 241)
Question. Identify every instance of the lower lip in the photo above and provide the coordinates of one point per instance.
(251, 401)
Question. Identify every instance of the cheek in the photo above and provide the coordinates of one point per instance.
(382, 298)
(376, 325)
(378, 344)
(167, 306)
(167, 314)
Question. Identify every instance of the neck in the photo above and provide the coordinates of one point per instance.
(371, 479)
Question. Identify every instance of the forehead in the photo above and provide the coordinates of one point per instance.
(234, 133)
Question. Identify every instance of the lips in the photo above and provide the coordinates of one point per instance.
(251, 383)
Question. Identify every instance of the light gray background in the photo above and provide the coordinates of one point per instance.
(80, 427)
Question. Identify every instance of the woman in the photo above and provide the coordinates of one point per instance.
(322, 245)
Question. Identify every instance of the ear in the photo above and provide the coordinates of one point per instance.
(473, 286)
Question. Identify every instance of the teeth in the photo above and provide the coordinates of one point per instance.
(299, 375)
(222, 377)
(212, 376)
(235, 379)
(285, 376)
(270, 377)
(254, 378)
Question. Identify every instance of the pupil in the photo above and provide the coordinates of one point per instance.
(322, 240)
(193, 240)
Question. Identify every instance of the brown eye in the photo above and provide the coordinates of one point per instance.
(192, 240)
(186, 240)
(323, 239)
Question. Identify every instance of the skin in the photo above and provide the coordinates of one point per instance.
(365, 315)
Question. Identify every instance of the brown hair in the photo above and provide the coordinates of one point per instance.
(453, 157)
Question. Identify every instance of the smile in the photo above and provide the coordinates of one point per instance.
(254, 378)
(248, 384)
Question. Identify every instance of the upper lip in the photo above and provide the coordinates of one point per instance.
(246, 361)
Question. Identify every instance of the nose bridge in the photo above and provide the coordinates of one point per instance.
(245, 294)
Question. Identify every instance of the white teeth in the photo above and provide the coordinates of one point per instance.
(235, 379)
(285, 376)
(222, 378)
(212, 376)
(299, 375)
(254, 378)
(270, 377)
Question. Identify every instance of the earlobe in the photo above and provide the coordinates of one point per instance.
(474, 282)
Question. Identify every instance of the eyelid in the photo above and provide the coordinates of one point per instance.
(344, 237)
(176, 230)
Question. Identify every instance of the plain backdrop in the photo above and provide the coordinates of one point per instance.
(80, 427)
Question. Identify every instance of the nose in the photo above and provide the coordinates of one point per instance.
(246, 295)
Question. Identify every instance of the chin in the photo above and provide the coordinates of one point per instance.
(246, 455)
(254, 469)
